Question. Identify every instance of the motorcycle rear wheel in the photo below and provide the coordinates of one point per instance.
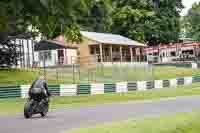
(45, 110)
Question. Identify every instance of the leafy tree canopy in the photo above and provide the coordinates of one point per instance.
(151, 21)
(191, 22)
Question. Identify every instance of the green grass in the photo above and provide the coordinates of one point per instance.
(103, 75)
(173, 72)
(10, 106)
(176, 123)
(16, 77)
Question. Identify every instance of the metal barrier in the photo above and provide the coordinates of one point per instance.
(10, 91)
(100, 88)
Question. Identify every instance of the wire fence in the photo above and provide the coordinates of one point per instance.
(91, 70)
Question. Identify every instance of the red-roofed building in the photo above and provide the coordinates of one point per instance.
(173, 52)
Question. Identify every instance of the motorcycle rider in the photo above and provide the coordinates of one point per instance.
(40, 82)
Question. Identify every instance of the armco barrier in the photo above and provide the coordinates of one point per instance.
(166, 83)
(93, 89)
(132, 86)
(54, 90)
(83, 89)
(150, 85)
(10, 91)
(196, 79)
(109, 88)
(180, 81)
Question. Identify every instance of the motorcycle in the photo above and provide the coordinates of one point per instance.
(36, 104)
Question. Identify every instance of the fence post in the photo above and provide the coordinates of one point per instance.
(79, 70)
(57, 75)
(73, 73)
(152, 71)
(96, 67)
(44, 65)
(88, 70)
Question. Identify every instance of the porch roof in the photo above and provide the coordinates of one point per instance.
(50, 45)
(107, 38)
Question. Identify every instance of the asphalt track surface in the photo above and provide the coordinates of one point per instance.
(62, 120)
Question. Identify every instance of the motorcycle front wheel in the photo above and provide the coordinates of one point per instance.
(28, 110)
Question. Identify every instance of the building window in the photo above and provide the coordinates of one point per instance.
(190, 52)
(173, 53)
(45, 55)
(155, 54)
(92, 49)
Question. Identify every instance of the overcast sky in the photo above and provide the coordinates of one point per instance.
(188, 5)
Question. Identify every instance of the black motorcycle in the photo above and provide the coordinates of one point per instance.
(36, 104)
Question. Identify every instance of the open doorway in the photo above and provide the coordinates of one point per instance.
(60, 56)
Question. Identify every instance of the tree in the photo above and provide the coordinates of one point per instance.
(51, 17)
(8, 56)
(48, 16)
(192, 25)
(150, 21)
(8, 27)
(45, 15)
(98, 16)
(165, 26)
(130, 18)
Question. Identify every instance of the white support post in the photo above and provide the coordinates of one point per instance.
(24, 90)
(68, 90)
(173, 82)
(158, 84)
(97, 89)
(131, 52)
(121, 87)
(111, 53)
(141, 85)
(121, 54)
(101, 52)
(187, 80)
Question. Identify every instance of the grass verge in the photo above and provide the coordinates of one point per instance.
(106, 74)
(16, 77)
(10, 106)
(179, 123)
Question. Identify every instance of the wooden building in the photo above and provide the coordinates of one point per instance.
(101, 47)
(109, 47)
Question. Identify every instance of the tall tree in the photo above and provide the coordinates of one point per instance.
(45, 15)
(192, 25)
(98, 16)
(165, 26)
(9, 26)
(130, 17)
(52, 17)
(48, 16)
(151, 21)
